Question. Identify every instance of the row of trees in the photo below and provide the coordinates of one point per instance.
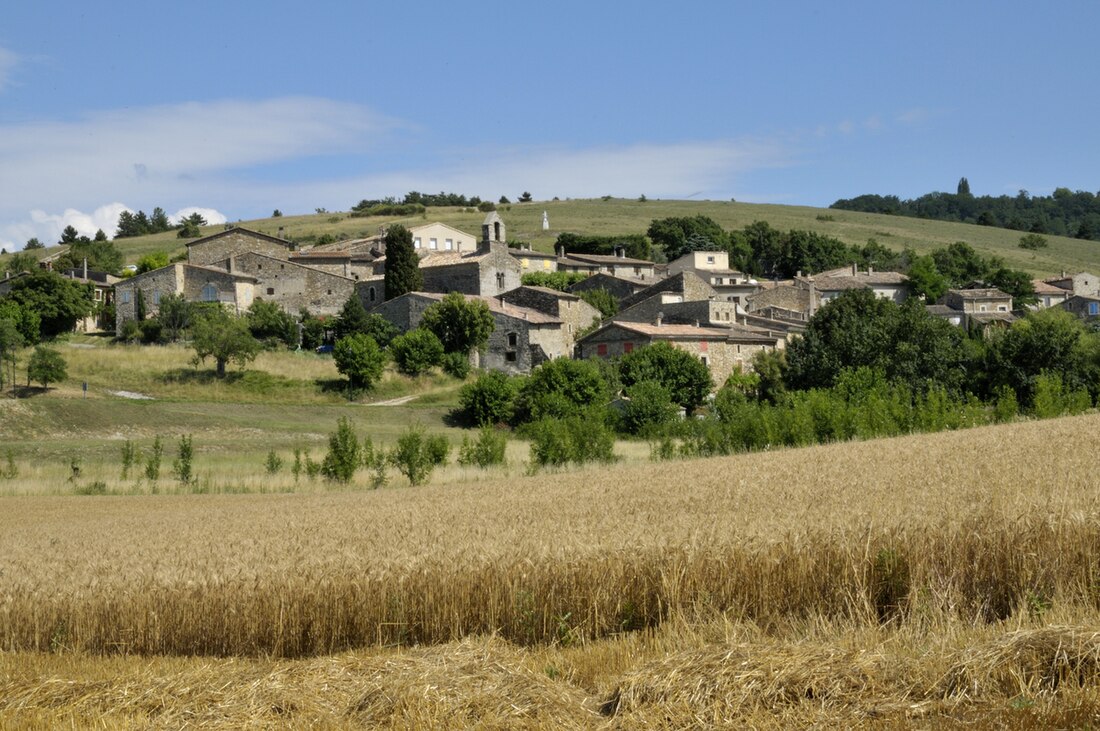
(132, 224)
(1064, 213)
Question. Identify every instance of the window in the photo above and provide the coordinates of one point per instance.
(704, 359)
(981, 308)
(513, 340)
(545, 263)
(510, 356)
(601, 350)
(637, 271)
(524, 262)
(448, 244)
(156, 297)
(125, 297)
(416, 243)
(370, 293)
(271, 290)
(433, 244)
(717, 280)
(710, 260)
(500, 281)
(628, 347)
(210, 293)
(1094, 308)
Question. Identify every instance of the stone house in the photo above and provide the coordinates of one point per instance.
(618, 287)
(707, 313)
(724, 350)
(713, 268)
(1048, 294)
(576, 314)
(441, 237)
(103, 294)
(1081, 283)
(618, 265)
(978, 308)
(831, 284)
(195, 283)
(522, 338)
(785, 302)
(291, 284)
(1083, 306)
(234, 242)
(688, 285)
(534, 261)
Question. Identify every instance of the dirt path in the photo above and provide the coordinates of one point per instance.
(393, 401)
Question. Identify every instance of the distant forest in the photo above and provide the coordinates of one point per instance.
(1065, 213)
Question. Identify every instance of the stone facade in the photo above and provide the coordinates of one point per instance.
(292, 285)
(489, 271)
(195, 283)
(575, 313)
(234, 242)
(522, 338)
(1081, 283)
(709, 313)
(441, 237)
(686, 284)
(723, 350)
(977, 300)
(1084, 307)
(619, 288)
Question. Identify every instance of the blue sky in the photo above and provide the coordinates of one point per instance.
(237, 109)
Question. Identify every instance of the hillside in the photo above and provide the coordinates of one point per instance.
(620, 216)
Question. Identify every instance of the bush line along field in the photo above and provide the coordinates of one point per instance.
(840, 583)
(621, 216)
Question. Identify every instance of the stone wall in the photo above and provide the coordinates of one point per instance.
(575, 313)
(294, 286)
(235, 292)
(235, 242)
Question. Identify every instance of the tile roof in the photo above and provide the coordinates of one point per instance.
(607, 259)
(498, 307)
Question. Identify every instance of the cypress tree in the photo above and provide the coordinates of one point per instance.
(402, 264)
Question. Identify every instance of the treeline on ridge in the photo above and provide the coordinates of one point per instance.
(1064, 213)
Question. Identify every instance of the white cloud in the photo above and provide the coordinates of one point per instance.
(212, 216)
(166, 155)
(8, 62)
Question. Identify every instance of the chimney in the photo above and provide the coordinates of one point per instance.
(559, 249)
(281, 236)
(697, 322)
(85, 269)
(230, 264)
(620, 251)
(798, 274)
(855, 269)
(813, 297)
(660, 319)
(870, 269)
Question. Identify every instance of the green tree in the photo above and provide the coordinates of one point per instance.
(417, 454)
(925, 280)
(174, 315)
(678, 234)
(1033, 242)
(403, 273)
(360, 359)
(189, 230)
(25, 319)
(416, 352)
(490, 399)
(226, 338)
(461, 324)
(21, 261)
(11, 340)
(46, 366)
(69, 235)
(271, 325)
(158, 222)
(1050, 341)
(561, 388)
(602, 300)
(525, 197)
(352, 319)
(33, 243)
(487, 450)
(963, 189)
(58, 301)
(344, 453)
(648, 409)
(151, 261)
(685, 377)
(1016, 283)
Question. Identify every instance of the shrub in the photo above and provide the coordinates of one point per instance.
(46, 366)
(343, 455)
(487, 450)
(129, 458)
(182, 466)
(152, 464)
(10, 471)
(490, 399)
(274, 463)
(375, 460)
(1005, 407)
(457, 365)
(416, 352)
(685, 376)
(562, 388)
(578, 439)
(417, 454)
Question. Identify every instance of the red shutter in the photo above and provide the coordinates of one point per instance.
(601, 350)
(703, 346)
(628, 347)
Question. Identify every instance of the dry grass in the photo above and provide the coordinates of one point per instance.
(931, 579)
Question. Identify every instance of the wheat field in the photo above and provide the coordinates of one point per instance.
(950, 578)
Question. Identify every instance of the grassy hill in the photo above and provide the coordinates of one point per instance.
(621, 216)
